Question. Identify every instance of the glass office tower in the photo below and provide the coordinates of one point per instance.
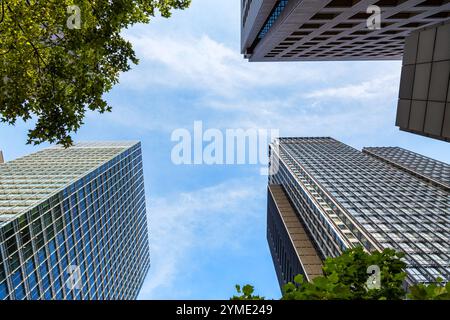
(73, 223)
(342, 198)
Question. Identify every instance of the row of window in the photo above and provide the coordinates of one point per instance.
(111, 249)
(395, 208)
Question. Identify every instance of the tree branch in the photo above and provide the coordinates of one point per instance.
(23, 31)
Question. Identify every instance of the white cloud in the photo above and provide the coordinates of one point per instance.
(203, 63)
(383, 86)
(201, 220)
(186, 76)
(228, 91)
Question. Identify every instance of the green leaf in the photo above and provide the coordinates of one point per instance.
(54, 74)
(299, 279)
(345, 278)
(248, 290)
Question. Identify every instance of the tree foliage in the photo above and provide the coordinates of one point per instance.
(345, 278)
(433, 291)
(246, 293)
(52, 73)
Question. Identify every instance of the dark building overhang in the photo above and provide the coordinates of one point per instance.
(314, 30)
(424, 98)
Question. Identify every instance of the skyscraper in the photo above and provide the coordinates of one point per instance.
(330, 30)
(325, 197)
(73, 223)
(312, 30)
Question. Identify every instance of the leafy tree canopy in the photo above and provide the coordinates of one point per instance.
(433, 291)
(246, 293)
(57, 60)
(346, 277)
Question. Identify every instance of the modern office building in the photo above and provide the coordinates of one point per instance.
(329, 30)
(314, 30)
(325, 197)
(73, 223)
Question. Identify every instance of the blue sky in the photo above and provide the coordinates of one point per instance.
(207, 223)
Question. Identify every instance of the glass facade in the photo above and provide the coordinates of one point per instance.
(279, 7)
(424, 167)
(348, 198)
(73, 223)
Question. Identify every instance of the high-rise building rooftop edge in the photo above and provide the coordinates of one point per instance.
(433, 171)
(29, 180)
